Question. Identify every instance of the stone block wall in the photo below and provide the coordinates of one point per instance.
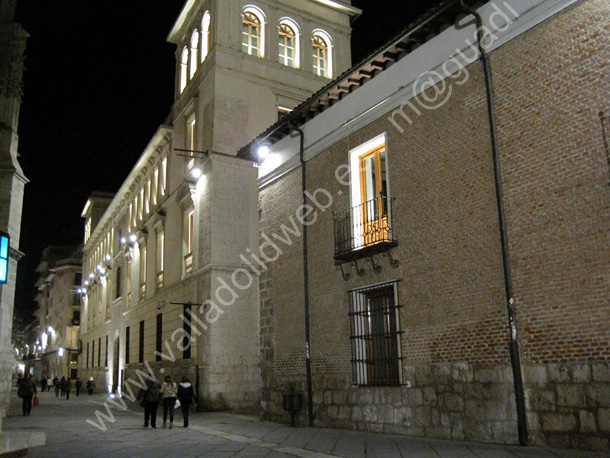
(569, 405)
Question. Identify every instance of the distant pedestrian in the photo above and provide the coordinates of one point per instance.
(26, 391)
(169, 392)
(90, 385)
(68, 388)
(43, 383)
(185, 396)
(150, 397)
(49, 384)
(78, 385)
(62, 386)
(57, 386)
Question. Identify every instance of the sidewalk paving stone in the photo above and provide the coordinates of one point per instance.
(227, 435)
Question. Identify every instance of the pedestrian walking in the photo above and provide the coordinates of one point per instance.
(26, 391)
(169, 391)
(43, 384)
(78, 385)
(68, 388)
(49, 384)
(62, 386)
(186, 395)
(90, 385)
(150, 398)
(57, 386)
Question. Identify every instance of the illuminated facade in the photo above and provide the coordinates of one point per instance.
(169, 281)
(58, 313)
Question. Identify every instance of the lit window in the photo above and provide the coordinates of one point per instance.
(163, 178)
(252, 34)
(160, 261)
(287, 45)
(322, 54)
(128, 281)
(194, 52)
(375, 335)
(141, 205)
(155, 187)
(184, 62)
(142, 272)
(369, 193)
(188, 240)
(205, 35)
(147, 198)
(190, 222)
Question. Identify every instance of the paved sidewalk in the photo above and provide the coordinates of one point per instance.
(226, 435)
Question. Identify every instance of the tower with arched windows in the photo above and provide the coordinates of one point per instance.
(240, 64)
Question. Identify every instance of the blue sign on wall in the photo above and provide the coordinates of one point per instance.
(4, 244)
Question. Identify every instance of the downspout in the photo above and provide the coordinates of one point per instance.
(305, 278)
(508, 284)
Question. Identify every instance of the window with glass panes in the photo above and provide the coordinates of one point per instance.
(251, 34)
(287, 51)
(320, 56)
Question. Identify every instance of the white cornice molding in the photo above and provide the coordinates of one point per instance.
(374, 101)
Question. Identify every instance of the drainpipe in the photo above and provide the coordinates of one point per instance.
(508, 285)
(305, 279)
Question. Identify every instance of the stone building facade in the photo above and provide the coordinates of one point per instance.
(384, 300)
(169, 287)
(12, 180)
(58, 314)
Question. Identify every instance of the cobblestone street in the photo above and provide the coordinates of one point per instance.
(224, 435)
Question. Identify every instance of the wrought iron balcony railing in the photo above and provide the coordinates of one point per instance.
(188, 263)
(364, 230)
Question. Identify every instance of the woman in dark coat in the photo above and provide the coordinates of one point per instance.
(27, 390)
(185, 396)
(151, 397)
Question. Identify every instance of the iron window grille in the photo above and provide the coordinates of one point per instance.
(376, 335)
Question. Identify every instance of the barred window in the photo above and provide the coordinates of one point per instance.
(375, 335)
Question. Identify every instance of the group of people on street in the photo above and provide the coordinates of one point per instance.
(167, 393)
(26, 388)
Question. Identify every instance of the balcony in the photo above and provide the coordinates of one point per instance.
(364, 231)
(188, 264)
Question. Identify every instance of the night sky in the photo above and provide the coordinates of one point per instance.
(99, 82)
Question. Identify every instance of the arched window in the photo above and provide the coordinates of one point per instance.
(252, 41)
(194, 53)
(322, 54)
(184, 61)
(205, 35)
(288, 43)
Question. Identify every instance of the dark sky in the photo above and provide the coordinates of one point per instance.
(99, 82)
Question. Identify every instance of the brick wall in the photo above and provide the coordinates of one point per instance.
(550, 84)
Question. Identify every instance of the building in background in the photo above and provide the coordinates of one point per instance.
(169, 287)
(58, 313)
(392, 274)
